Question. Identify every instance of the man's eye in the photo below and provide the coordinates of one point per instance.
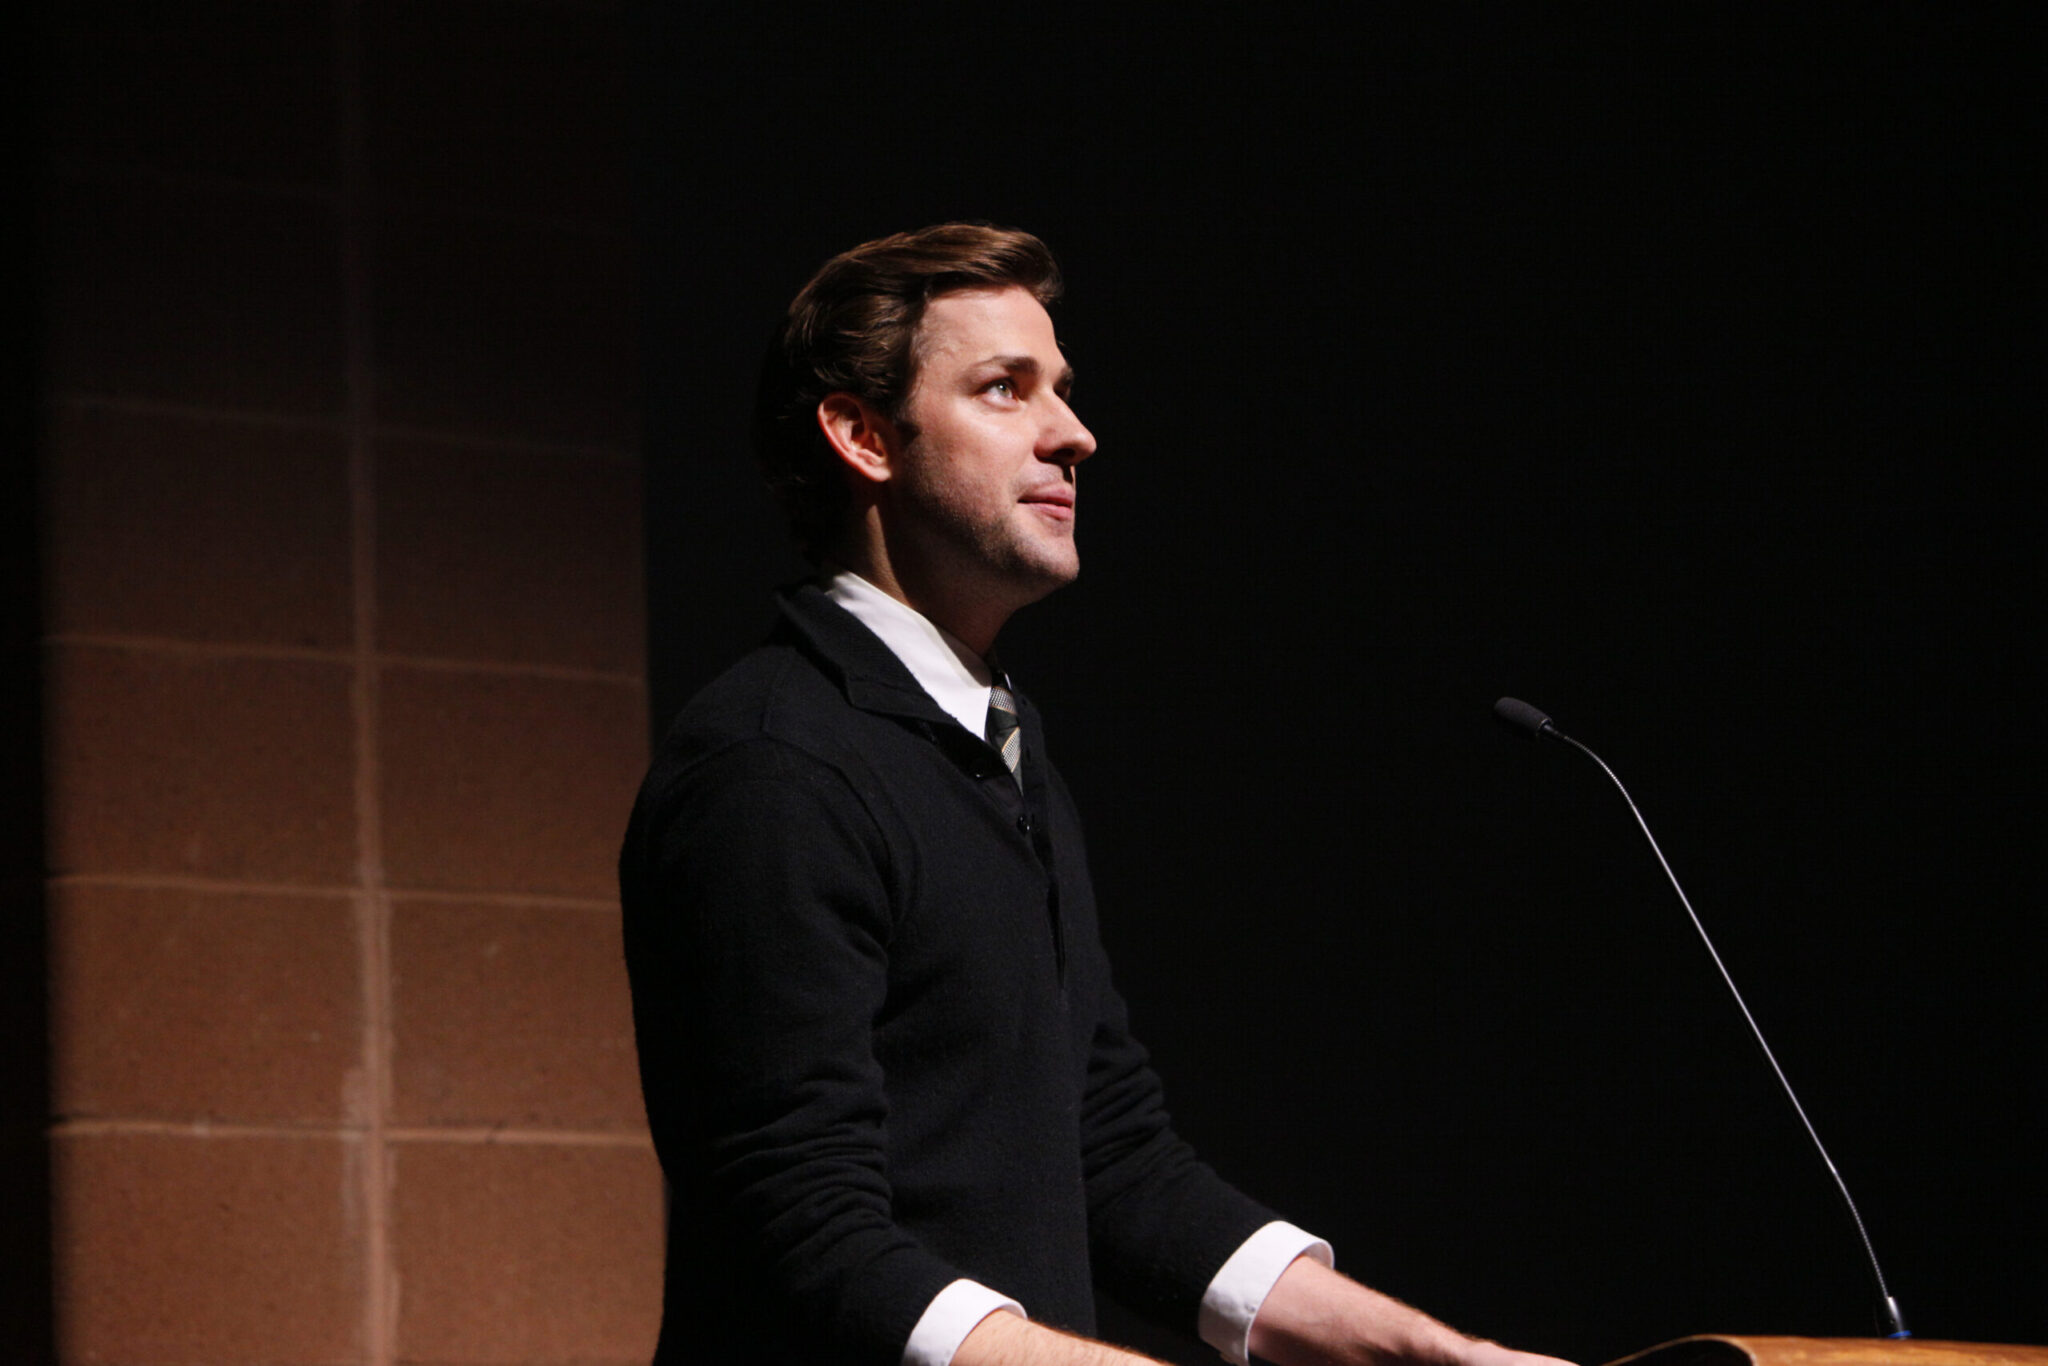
(1005, 387)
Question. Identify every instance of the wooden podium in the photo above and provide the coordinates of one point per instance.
(1724, 1350)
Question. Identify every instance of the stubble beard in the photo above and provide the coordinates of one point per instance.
(991, 549)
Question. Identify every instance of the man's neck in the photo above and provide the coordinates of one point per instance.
(971, 619)
(952, 675)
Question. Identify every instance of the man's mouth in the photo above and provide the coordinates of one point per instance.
(1056, 502)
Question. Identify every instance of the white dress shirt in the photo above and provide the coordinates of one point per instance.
(958, 680)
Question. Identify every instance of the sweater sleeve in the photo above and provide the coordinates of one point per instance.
(758, 948)
(1161, 1222)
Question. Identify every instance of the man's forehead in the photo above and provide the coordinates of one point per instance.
(1004, 327)
(1001, 321)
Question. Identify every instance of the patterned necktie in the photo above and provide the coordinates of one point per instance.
(1003, 731)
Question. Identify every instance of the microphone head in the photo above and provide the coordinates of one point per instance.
(1522, 716)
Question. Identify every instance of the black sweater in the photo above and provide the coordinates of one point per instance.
(878, 1038)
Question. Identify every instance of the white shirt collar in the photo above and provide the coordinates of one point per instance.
(957, 678)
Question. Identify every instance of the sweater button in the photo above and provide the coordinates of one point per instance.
(1024, 824)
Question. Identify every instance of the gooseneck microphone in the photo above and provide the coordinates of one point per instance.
(1528, 719)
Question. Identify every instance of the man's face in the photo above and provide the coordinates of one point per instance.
(985, 489)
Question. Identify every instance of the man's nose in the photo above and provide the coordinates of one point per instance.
(1066, 441)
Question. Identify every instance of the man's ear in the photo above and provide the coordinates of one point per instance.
(862, 437)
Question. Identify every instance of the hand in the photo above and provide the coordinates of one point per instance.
(1315, 1317)
(1006, 1339)
(1478, 1352)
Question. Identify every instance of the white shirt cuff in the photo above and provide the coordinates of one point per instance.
(1233, 1298)
(954, 1313)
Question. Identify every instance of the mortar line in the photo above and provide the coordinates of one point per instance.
(229, 649)
(95, 400)
(102, 640)
(473, 1135)
(532, 1138)
(540, 901)
(499, 442)
(392, 893)
(207, 1129)
(174, 882)
(372, 907)
(564, 672)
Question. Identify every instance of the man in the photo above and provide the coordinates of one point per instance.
(888, 1077)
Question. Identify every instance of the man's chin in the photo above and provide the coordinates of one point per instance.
(1047, 574)
(1054, 559)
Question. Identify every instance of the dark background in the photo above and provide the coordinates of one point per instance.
(1677, 370)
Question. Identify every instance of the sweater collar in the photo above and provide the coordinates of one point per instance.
(869, 673)
(953, 675)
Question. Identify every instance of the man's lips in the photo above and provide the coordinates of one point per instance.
(1057, 502)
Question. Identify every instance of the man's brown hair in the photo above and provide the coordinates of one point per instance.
(853, 329)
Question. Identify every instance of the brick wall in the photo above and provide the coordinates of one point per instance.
(343, 684)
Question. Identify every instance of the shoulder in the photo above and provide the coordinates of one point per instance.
(772, 717)
(734, 816)
(818, 671)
